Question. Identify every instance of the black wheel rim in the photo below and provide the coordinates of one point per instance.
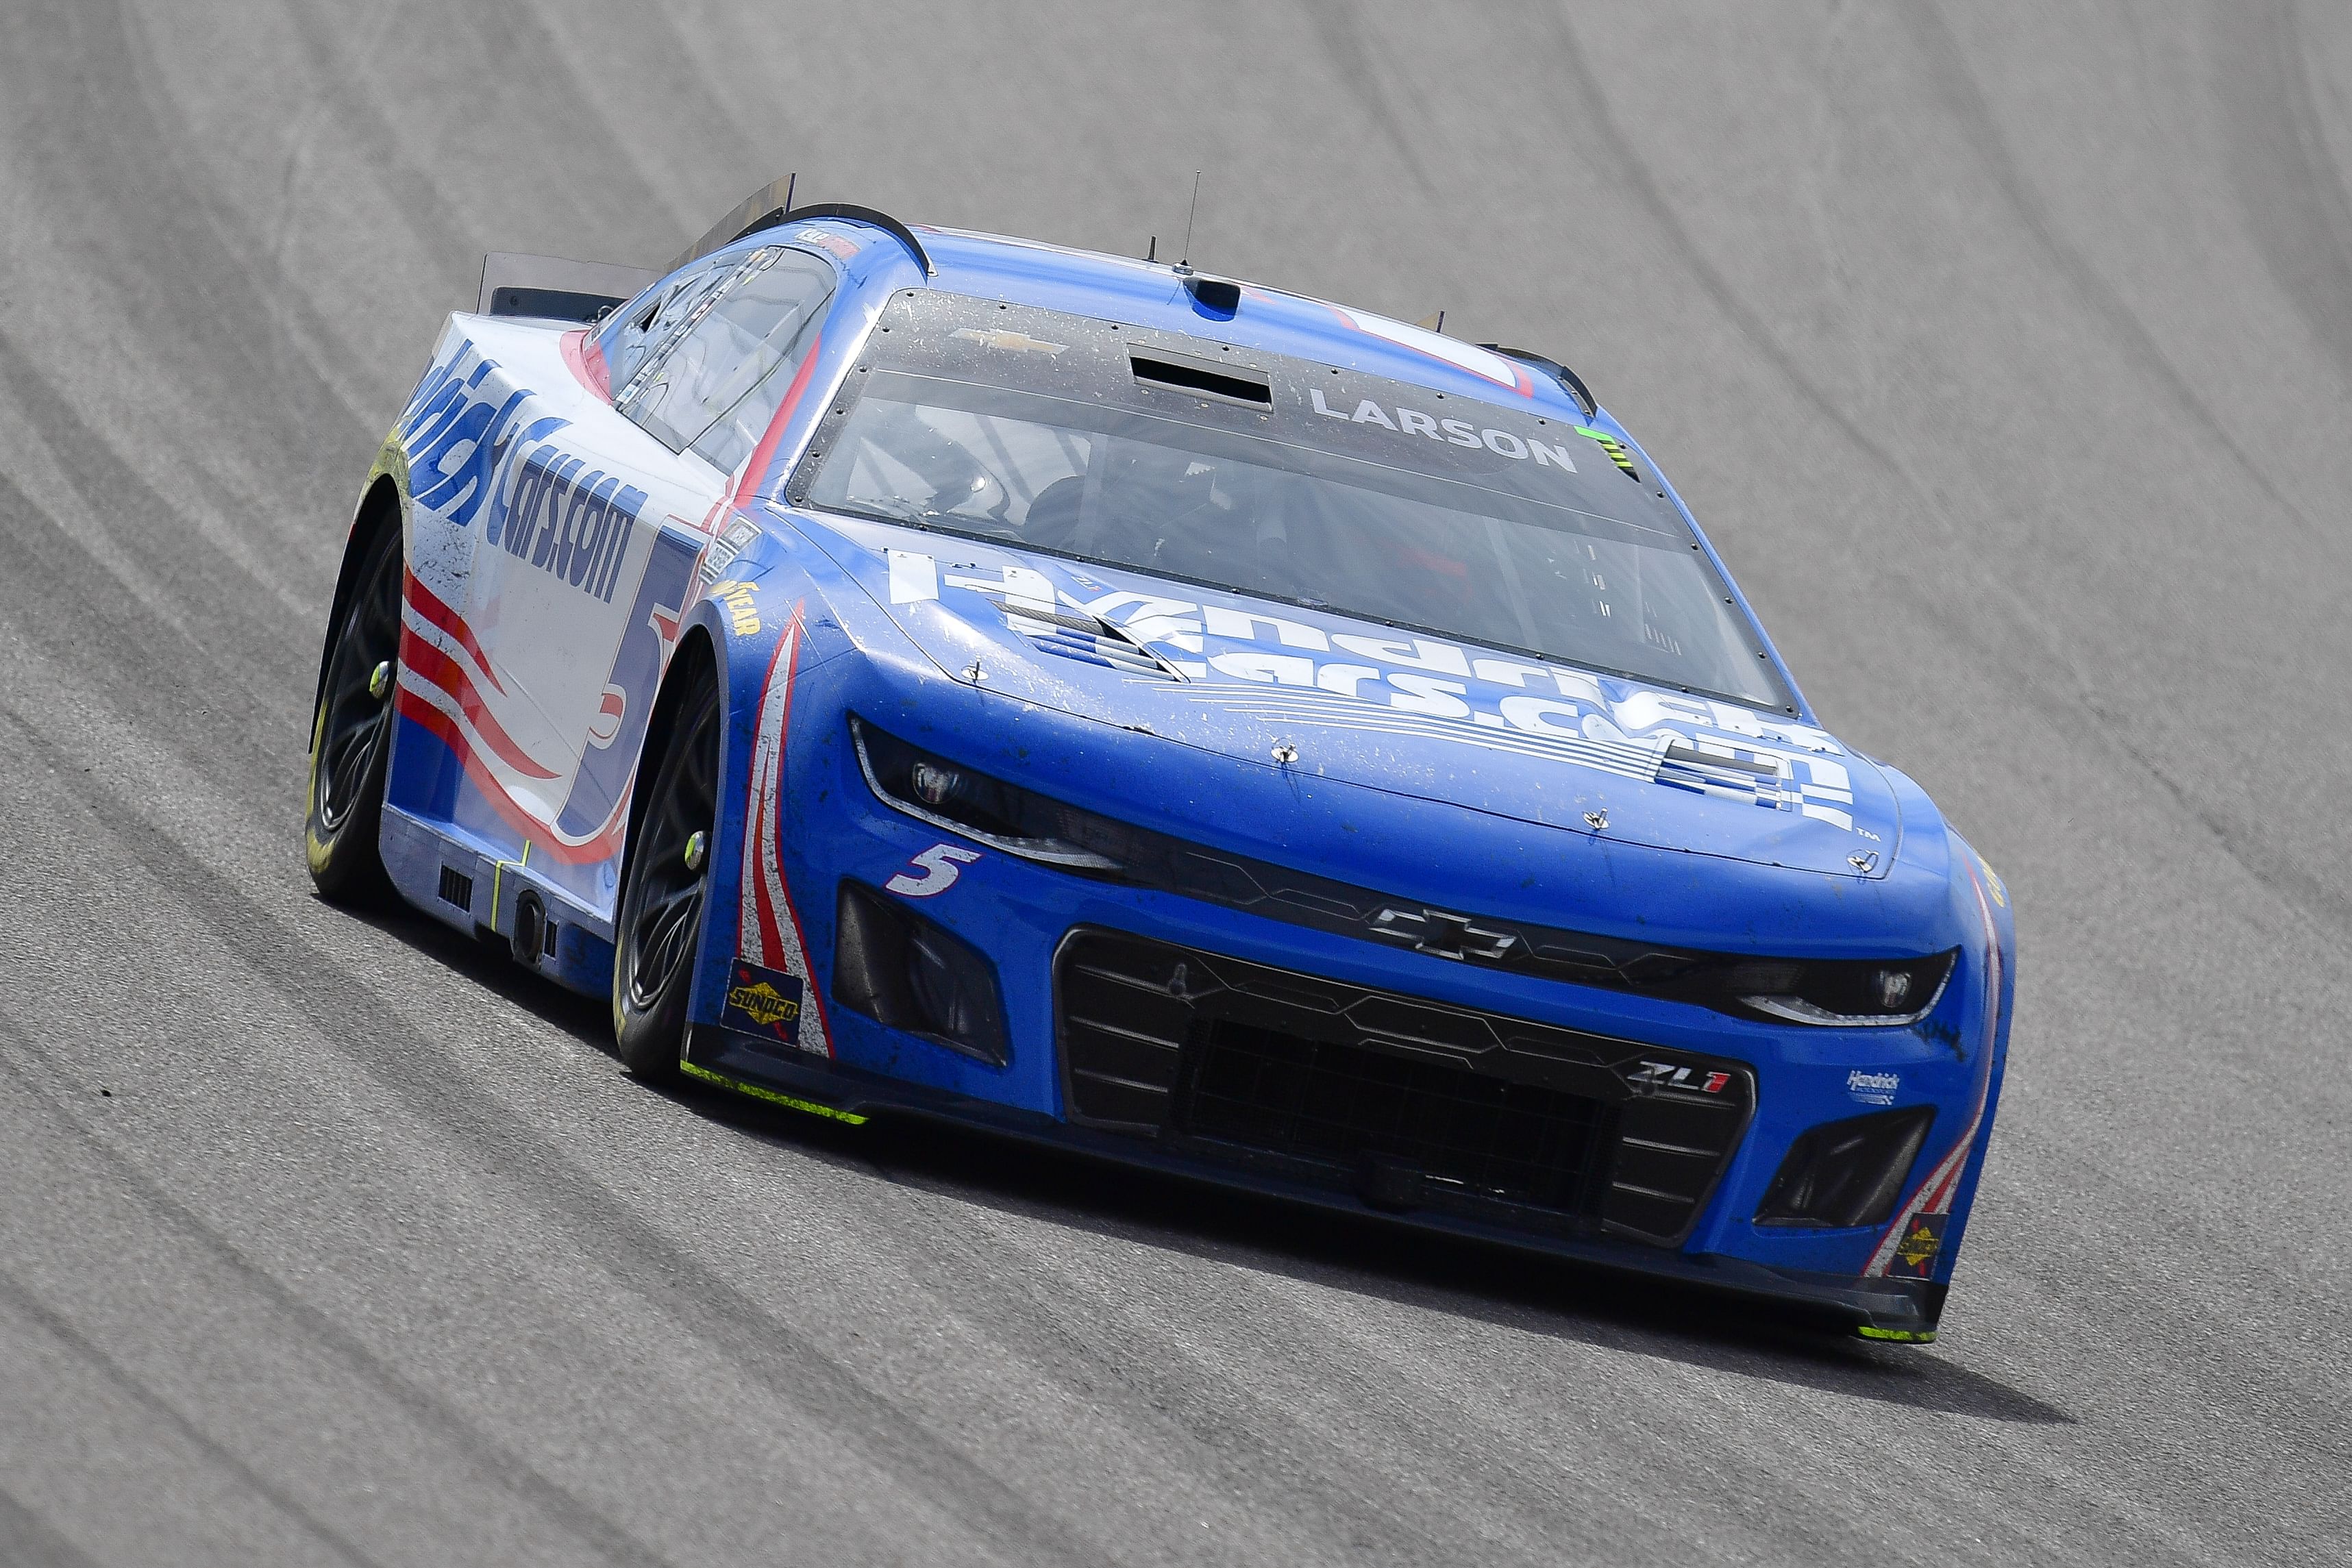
(357, 719)
(666, 914)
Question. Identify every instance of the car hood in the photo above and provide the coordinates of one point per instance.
(1341, 697)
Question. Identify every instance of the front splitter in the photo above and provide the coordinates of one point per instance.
(1900, 1311)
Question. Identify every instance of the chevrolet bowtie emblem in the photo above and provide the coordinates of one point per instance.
(1441, 935)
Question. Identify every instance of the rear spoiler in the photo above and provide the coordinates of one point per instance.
(771, 204)
(551, 289)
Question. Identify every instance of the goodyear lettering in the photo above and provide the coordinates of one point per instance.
(1462, 433)
(742, 610)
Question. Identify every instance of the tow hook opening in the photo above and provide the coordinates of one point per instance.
(531, 930)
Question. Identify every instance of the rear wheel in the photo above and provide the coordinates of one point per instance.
(664, 895)
(351, 736)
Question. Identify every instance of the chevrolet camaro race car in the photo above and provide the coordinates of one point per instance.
(930, 673)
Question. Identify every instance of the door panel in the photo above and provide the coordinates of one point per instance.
(577, 595)
(553, 544)
(552, 549)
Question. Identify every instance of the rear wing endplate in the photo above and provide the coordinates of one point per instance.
(551, 289)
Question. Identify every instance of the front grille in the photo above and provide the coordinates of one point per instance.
(1353, 1108)
(1409, 1104)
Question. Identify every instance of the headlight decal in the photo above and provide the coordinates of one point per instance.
(1841, 993)
(1914, 1245)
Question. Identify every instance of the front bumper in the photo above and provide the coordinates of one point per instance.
(1634, 1057)
(1900, 1310)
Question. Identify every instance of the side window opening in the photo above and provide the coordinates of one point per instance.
(730, 356)
(639, 328)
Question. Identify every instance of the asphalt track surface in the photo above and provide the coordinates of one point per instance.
(2006, 350)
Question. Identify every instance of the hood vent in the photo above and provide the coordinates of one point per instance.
(1685, 767)
(1237, 384)
(1086, 638)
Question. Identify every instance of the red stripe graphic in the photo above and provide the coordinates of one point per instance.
(436, 667)
(1935, 1195)
(452, 734)
(771, 932)
(427, 604)
(585, 357)
(762, 454)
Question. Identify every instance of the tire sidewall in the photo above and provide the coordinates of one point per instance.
(347, 864)
(652, 1043)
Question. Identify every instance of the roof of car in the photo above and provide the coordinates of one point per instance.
(1153, 294)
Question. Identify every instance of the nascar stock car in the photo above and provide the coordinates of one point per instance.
(1181, 721)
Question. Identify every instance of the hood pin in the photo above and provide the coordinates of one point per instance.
(1863, 863)
(1284, 753)
(972, 672)
(1598, 820)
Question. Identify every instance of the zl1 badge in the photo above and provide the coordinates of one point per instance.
(763, 1001)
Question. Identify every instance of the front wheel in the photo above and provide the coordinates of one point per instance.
(663, 895)
(350, 736)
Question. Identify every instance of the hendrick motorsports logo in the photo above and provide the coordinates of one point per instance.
(1873, 1087)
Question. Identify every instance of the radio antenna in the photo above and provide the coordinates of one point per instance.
(1186, 264)
(792, 183)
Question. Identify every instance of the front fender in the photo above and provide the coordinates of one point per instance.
(774, 615)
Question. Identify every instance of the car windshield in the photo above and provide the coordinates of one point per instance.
(1286, 480)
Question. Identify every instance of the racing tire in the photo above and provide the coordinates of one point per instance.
(350, 736)
(664, 891)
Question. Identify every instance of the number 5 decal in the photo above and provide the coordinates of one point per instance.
(941, 865)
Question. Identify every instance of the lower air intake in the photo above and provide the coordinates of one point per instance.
(1409, 1104)
(1381, 1117)
(456, 887)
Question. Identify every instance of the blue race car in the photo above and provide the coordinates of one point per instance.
(924, 673)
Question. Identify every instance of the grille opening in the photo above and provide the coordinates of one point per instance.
(1383, 1118)
(1235, 384)
(1845, 1175)
(456, 887)
(903, 970)
(1413, 1103)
